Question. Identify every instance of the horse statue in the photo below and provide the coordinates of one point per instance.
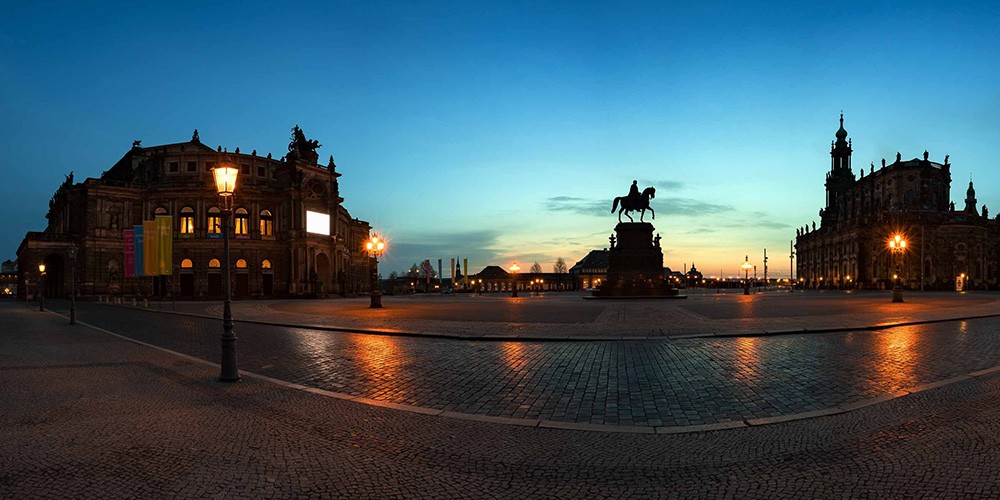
(639, 204)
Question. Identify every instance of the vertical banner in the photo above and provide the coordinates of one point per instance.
(465, 265)
(149, 248)
(165, 245)
(454, 282)
(440, 274)
(140, 243)
(129, 237)
(428, 268)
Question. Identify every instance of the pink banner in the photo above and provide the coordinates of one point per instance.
(129, 236)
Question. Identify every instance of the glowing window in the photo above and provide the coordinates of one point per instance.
(265, 264)
(241, 264)
(187, 220)
(266, 223)
(215, 220)
(317, 223)
(214, 264)
(160, 211)
(187, 264)
(242, 221)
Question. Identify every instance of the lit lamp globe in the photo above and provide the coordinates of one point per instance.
(225, 179)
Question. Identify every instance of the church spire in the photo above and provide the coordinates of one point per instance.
(970, 198)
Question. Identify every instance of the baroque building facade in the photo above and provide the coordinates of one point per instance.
(290, 233)
(946, 248)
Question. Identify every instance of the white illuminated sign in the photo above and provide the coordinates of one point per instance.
(317, 223)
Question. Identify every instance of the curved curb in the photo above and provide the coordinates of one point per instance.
(577, 426)
(568, 338)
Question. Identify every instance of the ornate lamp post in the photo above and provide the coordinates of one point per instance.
(897, 245)
(41, 286)
(514, 268)
(72, 285)
(746, 274)
(225, 183)
(375, 247)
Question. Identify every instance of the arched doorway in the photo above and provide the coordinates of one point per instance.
(322, 273)
(267, 278)
(55, 275)
(187, 278)
(242, 288)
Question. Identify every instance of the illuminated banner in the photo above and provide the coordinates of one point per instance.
(165, 245)
(465, 265)
(428, 268)
(453, 282)
(317, 223)
(440, 277)
(150, 248)
(137, 257)
(129, 236)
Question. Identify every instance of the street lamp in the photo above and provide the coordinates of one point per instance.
(41, 286)
(897, 245)
(514, 268)
(72, 285)
(746, 274)
(375, 247)
(225, 183)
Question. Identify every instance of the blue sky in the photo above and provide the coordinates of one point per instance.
(502, 132)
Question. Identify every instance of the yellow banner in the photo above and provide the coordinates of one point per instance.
(165, 245)
(150, 248)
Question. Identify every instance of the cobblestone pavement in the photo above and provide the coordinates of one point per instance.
(88, 415)
(651, 383)
(567, 315)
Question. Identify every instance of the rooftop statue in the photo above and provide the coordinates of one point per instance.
(634, 202)
(300, 144)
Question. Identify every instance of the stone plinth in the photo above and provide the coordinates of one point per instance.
(635, 264)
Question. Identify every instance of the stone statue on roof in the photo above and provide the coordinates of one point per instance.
(300, 144)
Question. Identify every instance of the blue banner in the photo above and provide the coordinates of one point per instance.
(140, 265)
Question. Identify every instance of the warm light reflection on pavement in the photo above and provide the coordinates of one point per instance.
(652, 383)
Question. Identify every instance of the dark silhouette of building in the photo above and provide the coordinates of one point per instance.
(945, 247)
(291, 235)
(591, 271)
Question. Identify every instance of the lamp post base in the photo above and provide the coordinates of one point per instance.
(376, 300)
(897, 293)
(746, 290)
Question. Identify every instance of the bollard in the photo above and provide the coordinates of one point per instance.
(145, 303)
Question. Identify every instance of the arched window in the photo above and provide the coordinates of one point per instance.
(214, 221)
(266, 223)
(265, 265)
(241, 264)
(187, 220)
(160, 211)
(214, 264)
(242, 219)
(187, 264)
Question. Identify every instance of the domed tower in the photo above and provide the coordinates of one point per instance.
(840, 180)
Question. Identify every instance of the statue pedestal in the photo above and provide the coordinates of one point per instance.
(635, 265)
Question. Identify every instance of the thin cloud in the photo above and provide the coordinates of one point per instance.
(674, 206)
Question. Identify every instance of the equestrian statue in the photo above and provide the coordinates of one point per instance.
(635, 202)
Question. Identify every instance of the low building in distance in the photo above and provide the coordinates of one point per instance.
(291, 235)
(946, 248)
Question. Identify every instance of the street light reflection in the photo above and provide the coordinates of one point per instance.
(379, 357)
(897, 354)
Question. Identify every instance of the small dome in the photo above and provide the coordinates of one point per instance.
(841, 133)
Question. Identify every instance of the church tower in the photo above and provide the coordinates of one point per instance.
(970, 199)
(840, 179)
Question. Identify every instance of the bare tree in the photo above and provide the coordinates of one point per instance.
(560, 266)
(536, 268)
